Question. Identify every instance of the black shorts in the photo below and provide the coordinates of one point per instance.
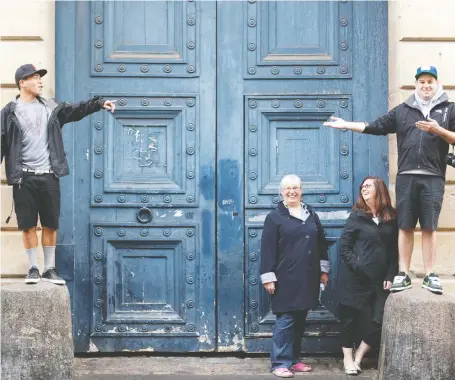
(37, 195)
(419, 197)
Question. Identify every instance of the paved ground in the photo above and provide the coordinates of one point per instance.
(193, 368)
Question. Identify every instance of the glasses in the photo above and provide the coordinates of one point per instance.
(294, 188)
(367, 186)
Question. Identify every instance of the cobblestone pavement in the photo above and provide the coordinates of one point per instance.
(191, 368)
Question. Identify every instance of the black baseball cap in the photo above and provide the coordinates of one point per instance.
(26, 70)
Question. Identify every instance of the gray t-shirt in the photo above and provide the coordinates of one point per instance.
(33, 119)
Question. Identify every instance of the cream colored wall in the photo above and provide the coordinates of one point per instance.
(413, 40)
(416, 38)
(26, 37)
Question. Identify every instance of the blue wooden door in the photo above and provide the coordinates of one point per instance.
(284, 68)
(163, 213)
(139, 225)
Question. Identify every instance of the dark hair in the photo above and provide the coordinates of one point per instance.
(383, 203)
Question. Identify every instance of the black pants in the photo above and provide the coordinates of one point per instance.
(419, 197)
(37, 195)
(358, 325)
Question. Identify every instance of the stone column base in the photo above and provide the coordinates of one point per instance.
(36, 332)
(418, 336)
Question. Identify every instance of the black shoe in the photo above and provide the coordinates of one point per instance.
(52, 276)
(33, 276)
(401, 282)
(432, 283)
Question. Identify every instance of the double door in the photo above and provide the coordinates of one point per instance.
(216, 101)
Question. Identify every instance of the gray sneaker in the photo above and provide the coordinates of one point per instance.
(432, 283)
(401, 282)
(33, 276)
(51, 276)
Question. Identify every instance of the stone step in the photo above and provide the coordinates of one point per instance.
(196, 368)
(448, 283)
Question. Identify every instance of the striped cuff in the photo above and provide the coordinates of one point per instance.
(325, 266)
(268, 277)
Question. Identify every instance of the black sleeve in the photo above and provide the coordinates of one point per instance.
(4, 137)
(393, 255)
(269, 246)
(71, 112)
(383, 125)
(322, 241)
(348, 238)
(451, 124)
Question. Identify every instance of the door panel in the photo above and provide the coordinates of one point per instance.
(144, 39)
(284, 135)
(146, 153)
(144, 226)
(297, 39)
(139, 288)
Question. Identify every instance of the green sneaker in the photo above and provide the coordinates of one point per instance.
(432, 283)
(401, 282)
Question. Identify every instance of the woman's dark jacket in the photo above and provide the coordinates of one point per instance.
(369, 256)
(292, 249)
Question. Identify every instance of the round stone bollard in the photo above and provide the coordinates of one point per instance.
(418, 337)
(36, 332)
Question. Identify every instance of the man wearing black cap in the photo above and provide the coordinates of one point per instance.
(35, 160)
(425, 126)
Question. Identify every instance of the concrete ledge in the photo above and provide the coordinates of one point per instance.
(418, 336)
(36, 332)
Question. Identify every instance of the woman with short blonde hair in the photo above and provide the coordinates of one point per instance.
(294, 261)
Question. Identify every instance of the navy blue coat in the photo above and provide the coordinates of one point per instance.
(292, 249)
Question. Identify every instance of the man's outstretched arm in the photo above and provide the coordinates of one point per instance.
(71, 112)
(339, 123)
(381, 126)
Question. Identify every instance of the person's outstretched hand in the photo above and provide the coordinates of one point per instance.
(109, 105)
(337, 123)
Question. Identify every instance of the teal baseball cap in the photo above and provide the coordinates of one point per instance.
(431, 70)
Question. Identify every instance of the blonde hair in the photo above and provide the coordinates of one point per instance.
(290, 179)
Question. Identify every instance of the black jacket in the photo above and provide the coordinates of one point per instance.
(292, 249)
(369, 256)
(417, 149)
(61, 114)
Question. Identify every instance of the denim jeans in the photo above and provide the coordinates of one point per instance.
(286, 340)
